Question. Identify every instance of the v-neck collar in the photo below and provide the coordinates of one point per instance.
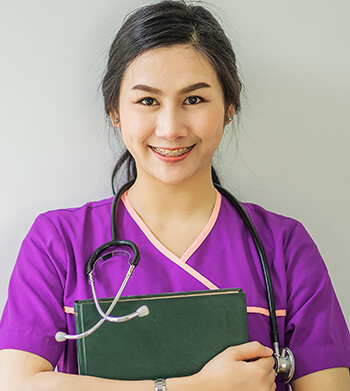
(159, 246)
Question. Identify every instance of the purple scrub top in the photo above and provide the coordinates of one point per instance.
(49, 276)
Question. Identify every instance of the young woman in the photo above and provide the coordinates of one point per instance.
(170, 88)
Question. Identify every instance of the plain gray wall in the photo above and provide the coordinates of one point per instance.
(293, 140)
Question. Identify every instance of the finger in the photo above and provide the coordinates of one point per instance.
(272, 376)
(263, 372)
(264, 366)
(272, 379)
(266, 363)
(250, 351)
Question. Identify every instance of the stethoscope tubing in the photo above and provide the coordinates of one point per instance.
(262, 257)
(62, 336)
(105, 315)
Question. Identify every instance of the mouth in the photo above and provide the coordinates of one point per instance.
(172, 152)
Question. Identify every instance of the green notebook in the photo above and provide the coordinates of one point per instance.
(182, 332)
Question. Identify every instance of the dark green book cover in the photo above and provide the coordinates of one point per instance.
(182, 332)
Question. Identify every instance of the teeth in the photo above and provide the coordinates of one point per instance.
(171, 152)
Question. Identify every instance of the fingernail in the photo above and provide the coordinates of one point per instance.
(269, 350)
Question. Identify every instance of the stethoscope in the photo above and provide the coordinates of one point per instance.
(284, 359)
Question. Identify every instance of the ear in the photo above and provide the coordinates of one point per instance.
(114, 117)
(229, 114)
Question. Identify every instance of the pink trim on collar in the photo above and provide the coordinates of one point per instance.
(161, 248)
(206, 230)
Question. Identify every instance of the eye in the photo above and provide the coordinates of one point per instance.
(148, 101)
(193, 100)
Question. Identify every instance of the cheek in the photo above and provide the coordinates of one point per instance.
(212, 127)
(135, 128)
(215, 137)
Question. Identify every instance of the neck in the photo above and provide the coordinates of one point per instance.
(157, 200)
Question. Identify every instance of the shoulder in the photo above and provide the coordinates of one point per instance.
(90, 212)
(266, 218)
(65, 236)
(67, 228)
(282, 237)
(267, 223)
(92, 207)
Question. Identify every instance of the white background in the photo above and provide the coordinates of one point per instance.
(293, 139)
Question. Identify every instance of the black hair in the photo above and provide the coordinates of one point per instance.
(164, 24)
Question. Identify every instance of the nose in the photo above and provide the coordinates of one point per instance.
(171, 124)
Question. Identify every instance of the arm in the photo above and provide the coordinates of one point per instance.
(21, 370)
(328, 379)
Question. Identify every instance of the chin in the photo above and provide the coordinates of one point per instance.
(175, 176)
(172, 181)
(179, 179)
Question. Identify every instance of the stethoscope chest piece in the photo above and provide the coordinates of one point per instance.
(284, 365)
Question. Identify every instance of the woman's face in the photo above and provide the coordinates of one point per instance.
(172, 114)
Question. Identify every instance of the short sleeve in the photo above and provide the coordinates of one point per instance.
(33, 312)
(316, 330)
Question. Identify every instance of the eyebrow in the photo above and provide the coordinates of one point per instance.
(186, 90)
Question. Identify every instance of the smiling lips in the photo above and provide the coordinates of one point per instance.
(173, 152)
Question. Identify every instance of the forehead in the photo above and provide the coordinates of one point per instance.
(173, 67)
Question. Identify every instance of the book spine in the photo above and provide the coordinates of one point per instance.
(81, 348)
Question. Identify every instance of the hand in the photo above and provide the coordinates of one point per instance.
(244, 367)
